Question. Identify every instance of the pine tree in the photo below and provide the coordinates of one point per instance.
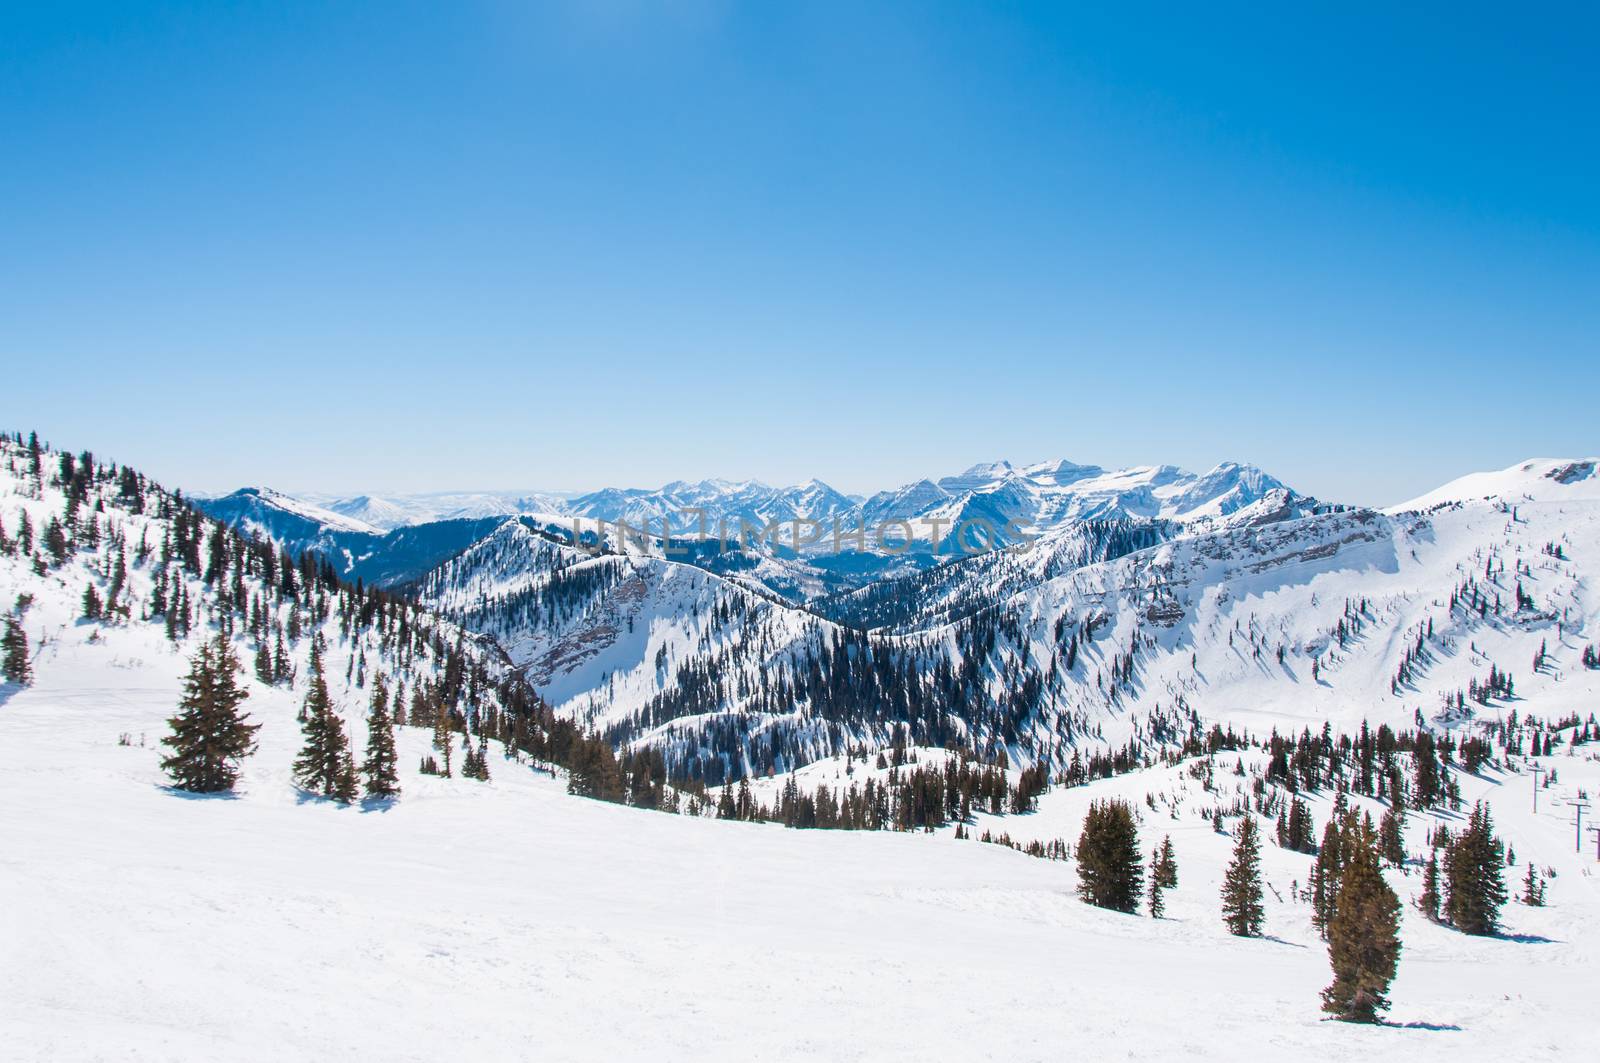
(210, 736)
(482, 774)
(17, 668)
(1363, 937)
(92, 605)
(280, 660)
(1391, 835)
(1428, 904)
(441, 739)
(1167, 864)
(1294, 829)
(1474, 876)
(1241, 885)
(1326, 872)
(1163, 876)
(1110, 868)
(324, 766)
(381, 764)
(1532, 888)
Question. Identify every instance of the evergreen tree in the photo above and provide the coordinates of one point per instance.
(1428, 904)
(1425, 790)
(1474, 876)
(92, 605)
(381, 764)
(210, 736)
(1295, 828)
(1326, 872)
(1391, 835)
(483, 758)
(441, 738)
(1532, 888)
(1110, 869)
(281, 668)
(1241, 884)
(324, 766)
(1167, 864)
(1163, 876)
(1363, 937)
(16, 666)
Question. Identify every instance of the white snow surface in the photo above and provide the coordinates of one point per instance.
(511, 921)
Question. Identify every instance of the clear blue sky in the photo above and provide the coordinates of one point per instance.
(401, 247)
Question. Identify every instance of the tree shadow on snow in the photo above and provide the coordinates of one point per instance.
(376, 804)
(1526, 939)
(190, 795)
(1433, 1027)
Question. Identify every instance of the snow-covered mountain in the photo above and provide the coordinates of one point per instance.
(276, 515)
(804, 542)
(355, 549)
(386, 513)
(1341, 616)
(1536, 480)
(1120, 642)
(1037, 496)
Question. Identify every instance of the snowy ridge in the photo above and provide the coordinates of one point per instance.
(1042, 495)
(1329, 617)
(264, 511)
(1535, 480)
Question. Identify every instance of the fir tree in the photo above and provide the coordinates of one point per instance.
(1326, 872)
(92, 605)
(14, 643)
(1110, 869)
(1428, 904)
(1532, 888)
(210, 736)
(441, 739)
(381, 764)
(1167, 864)
(1163, 876)
(1363, 937)
(1391, 836)
(1241, 884)
(324, 766)
(1474, 876)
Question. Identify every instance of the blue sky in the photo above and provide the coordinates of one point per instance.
(396, 247)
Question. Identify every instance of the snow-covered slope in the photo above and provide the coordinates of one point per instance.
(1337, 616)
(398, 511)
(141, 923)
(1536, 480)
(276, 515)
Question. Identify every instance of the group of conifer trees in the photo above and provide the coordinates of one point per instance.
(211, 735)
(1471, 890)
(1356, 910)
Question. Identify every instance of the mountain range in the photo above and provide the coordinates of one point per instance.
(1040, 495)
